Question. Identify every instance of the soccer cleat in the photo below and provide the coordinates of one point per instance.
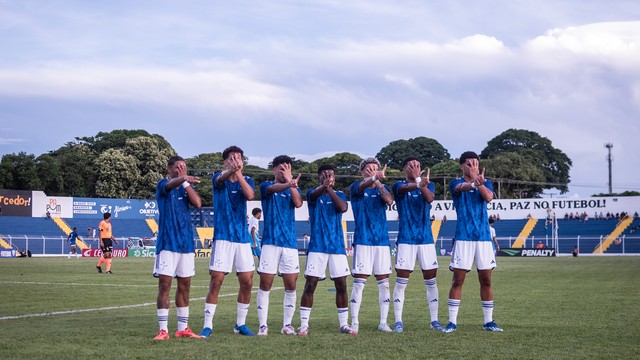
(303, 331)
(288, 330)
(263, 330)
(347, 330)
(187, 333)
(99, 269)
(398, 327)
(243, 330)
(435, 325)
(162, 335)
(491, 326)
(451, 327)
(109, 272)
(206, 332)
(384, 328)
(355, 327)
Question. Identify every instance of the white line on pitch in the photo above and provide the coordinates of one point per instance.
(106, 308)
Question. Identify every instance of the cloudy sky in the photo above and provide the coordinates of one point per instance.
(311, 78)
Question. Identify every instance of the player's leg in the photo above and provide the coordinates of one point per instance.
(338, 270)
(220, 264)
(184, 272)
(462, 256)
(289, 268)
(405, 262)
(362, 267)
(429, 264)
(162, 300)
(382, 270)
(245, 267)
(485, 262)
(306, 303)
(267, 270)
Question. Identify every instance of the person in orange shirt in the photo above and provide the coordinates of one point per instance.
(106, 245)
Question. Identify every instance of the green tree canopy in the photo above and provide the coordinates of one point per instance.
(539, 152)
(428, 151)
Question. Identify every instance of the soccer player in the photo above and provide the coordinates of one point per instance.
(254, 230)
(470, 195)
(106, 242)
(280, 198)
(371, 253)
(326, 247)
(415, 239)
(231, 241)
(175, 248)
(71, 240)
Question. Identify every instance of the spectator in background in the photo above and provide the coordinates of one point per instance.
(493, 236)
(175, 249)
(89, 231)
(539, 245)
(254, 231)
(575, 251)
(48, 215)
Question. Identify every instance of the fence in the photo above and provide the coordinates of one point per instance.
(57, 245)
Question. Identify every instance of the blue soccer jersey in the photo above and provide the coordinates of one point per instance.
(370, 215)
(175, 231)
(471, 208)
(73, 236)
(279, 217)
(326, 224)
(414, 212)
(230, 211)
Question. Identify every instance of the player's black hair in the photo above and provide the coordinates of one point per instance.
(281, 159)
(256, 211)
(409, 158)
(106, 215)
(231, 149)
(174, 159)
(468, 155)
(324, 167)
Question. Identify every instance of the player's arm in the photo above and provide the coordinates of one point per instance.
(386, 196)
(253, 237)
(338, 202)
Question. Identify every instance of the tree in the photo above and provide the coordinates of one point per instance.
(151, 159)
(50, 174)
(539, 152)
(513, 175)
(117, 139)
(19, 172)
(77, 164)
(428, 151)
(441, 175)
(118, 174)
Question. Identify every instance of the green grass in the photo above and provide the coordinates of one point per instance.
(585, 307)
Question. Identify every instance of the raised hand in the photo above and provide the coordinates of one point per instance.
(294, 183)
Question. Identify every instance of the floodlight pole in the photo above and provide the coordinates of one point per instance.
(609, 146)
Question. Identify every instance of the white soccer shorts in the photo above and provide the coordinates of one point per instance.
(227, 254)
(464, 252)
(424, 253)
(175, 264)
(279, 260)
(368, 259)
(317, 265)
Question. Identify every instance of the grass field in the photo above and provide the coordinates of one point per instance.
(585, 307)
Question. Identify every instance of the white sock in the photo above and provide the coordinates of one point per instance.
(487, 311)
(183, 318)
(262, 302)
(243, 310)
(398, 297)
(305, 314)
(289, 306)
(209, 311)
(163, 319)
(384, 299)
(432, 298)
(356, 298)
(343, 316)
(454, 305)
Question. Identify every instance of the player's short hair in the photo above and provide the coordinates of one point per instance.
(256, 211)
(75, 228)
(174, 159)
(231, 149)
(281, 159)
(409, 158)
(324, 167)
(468, 155)
(106, 215)
(367, 161)
(491, 221)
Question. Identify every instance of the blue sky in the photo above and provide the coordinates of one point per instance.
(311, 78)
